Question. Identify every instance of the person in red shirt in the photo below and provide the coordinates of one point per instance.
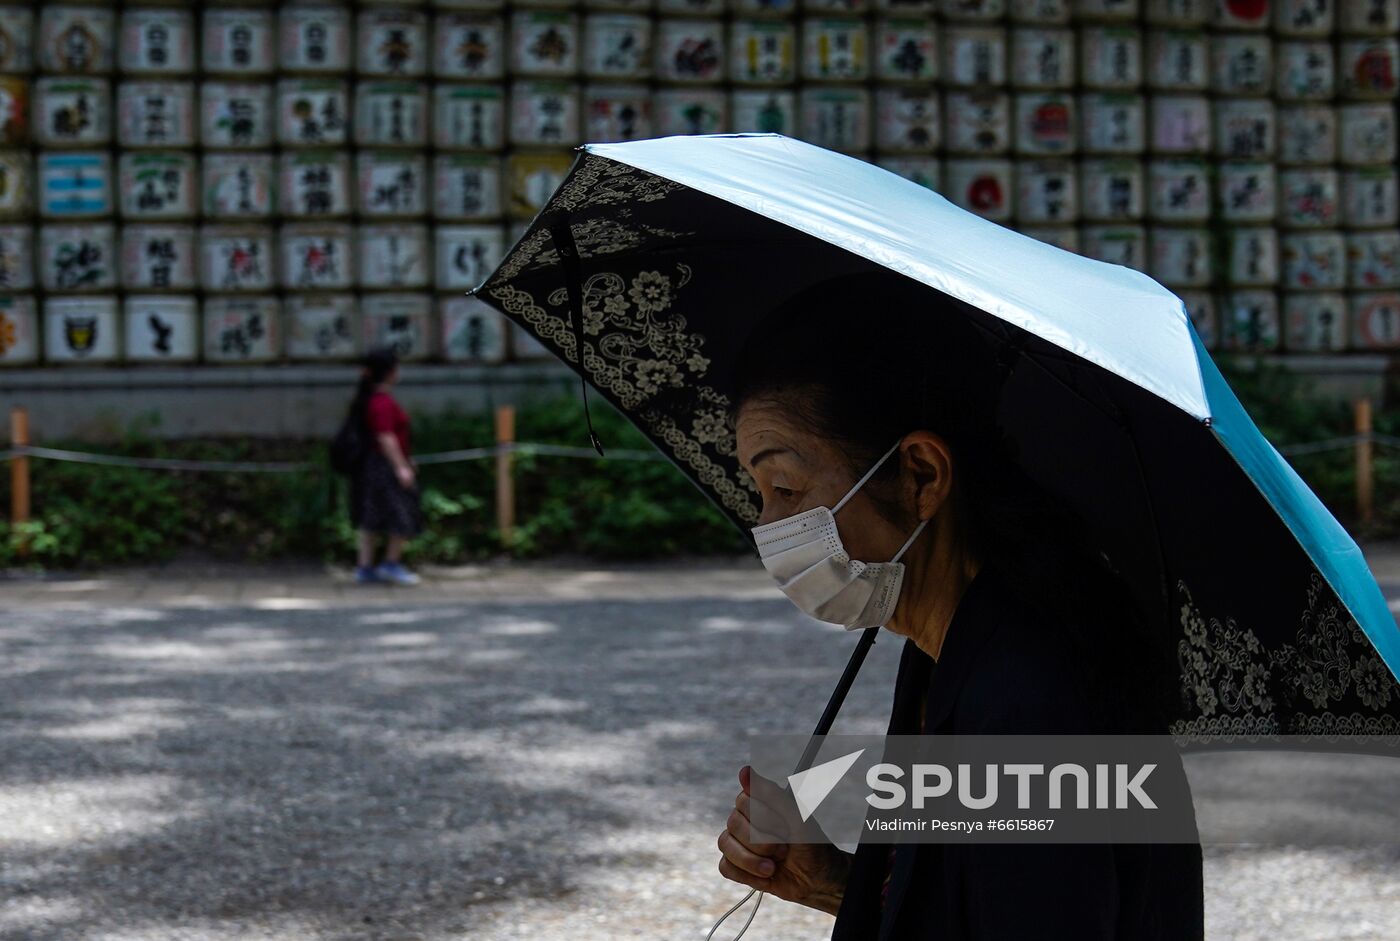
(384, 498)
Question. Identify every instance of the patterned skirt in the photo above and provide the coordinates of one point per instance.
(379, 503)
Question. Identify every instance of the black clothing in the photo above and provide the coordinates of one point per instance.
(378, 502)
(1006, 669)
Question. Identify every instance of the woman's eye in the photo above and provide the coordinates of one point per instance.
(785, 493)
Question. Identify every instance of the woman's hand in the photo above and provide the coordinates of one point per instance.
(407, 476)
(811, 874)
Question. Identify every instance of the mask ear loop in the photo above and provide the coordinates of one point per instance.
(868, 474)
(723, 918)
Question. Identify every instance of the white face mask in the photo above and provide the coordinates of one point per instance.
(804, 553)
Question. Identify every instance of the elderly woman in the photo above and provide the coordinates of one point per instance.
(869, 396)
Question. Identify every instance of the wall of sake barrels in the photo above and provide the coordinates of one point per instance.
(241, 183)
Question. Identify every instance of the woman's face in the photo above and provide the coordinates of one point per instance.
(796, 471)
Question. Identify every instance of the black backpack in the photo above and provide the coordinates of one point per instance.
(350, 444)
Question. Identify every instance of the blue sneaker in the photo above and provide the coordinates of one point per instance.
(364, 574)
(395, 573)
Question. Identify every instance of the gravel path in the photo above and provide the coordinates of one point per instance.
(507, 757)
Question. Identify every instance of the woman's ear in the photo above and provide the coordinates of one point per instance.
(929, 461)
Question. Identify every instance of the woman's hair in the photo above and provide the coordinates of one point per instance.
(378, 364)
(862, 360)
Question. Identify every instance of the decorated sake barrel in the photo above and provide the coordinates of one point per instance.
(155, 114)
(531, 179)
(1373, 259)
(472, 330)
(237, 186)
(544, 113)
(1200, 307)
(391, 183)
(1045, 123)
(1245, 128)
(78, 257)
(1249, 321)
(394, 256)
(76, 39)
(17, 182)
(16, 46)
(617, 6)
(241, 329)
(161, 328)
(1367, 133)
(1112, 123)
(708, 7)
(1246, 192)
(1252, 253)
(544, 43)
(1313, 261)
(158, 257)
(1368, 68)
(1040, 11)
(1177, 12)
(1242, 14)
(1307, 134)
(835, 50)
(322, 326)
(1111, 190)
(1179, 190)
(316, 257)
(616, 46)
(1042, 58)
(985, 187)
(391, 114)
(394, 43)
(81, 330)
(467, 187)
(1180, 124)
(1369, 17)
(972, 10)
(974, 56)
(762, 52)
(925, 171)
(1064, 237)
(836, 118)
(314, 39)
(617, 112)
(978, 122)
(469, 117)
(402, 322)
(1178, 61)
(470, 4)
(237, 41)
(1369, 197)
(236, 258)
(313, 112)
(690, 111)
(906, 50)
(157, 185)
(71, 185)
(767, 111)
(466, 254)
(235, 114)
(313, 184)
(1243, 64)
(14, 111)
(692, 50)
(1303, 17)
(1375, 320)
(1046, 192)
(16, 258)
(1305, 71)
(1315, 322)
(469, 47)
(72, 112)
(19, 330)
(1116, 244)
(1309, 198)
(907, 120)
(1111, 10)
(1180, 257)
(156, 41)
(1110, 57)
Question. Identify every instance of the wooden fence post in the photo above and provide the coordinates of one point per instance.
(19, 474)
(505, 480)
(1365, 452)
